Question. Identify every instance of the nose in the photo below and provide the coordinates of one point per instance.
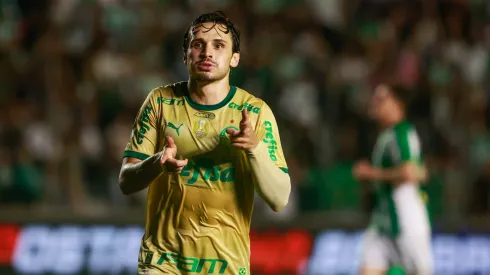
(207, 51)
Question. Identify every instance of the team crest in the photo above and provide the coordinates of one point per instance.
(201, 128)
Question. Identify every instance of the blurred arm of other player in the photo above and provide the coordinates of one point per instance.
(271, 182)
(407, 172)
(141, 165)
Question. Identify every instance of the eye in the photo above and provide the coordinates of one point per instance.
(197, 45)
(219, 46)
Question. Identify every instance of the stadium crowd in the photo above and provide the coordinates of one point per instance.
(73, 74)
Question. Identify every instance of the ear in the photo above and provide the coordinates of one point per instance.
(235, 59)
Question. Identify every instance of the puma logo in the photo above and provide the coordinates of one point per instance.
(171, 125)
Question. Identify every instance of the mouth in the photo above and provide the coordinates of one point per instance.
(205, 65)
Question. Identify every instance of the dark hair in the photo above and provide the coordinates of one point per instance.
(402, 95)
(217, 18)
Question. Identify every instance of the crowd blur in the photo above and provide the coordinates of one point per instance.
(73, 74)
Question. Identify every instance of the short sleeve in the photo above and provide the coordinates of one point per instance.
(144, 136)
(268, 134)
(407, 145)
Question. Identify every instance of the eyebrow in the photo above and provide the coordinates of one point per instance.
(214, 40)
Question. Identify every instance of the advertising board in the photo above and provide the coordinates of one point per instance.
(106, 249)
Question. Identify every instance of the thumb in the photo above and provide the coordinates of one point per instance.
(171, 143)
(232, 132)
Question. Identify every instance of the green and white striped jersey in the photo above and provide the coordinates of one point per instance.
(399, 208)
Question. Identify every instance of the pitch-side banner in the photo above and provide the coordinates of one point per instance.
(75, 249)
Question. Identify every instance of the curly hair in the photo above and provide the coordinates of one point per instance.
(220, 21)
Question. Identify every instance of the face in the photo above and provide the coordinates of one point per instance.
(210, 56)
(383, 105)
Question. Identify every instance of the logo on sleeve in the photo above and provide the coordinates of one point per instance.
(143, 124)
(270, 140)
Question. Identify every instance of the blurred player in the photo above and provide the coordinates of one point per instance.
(400, 232)
(203, 148)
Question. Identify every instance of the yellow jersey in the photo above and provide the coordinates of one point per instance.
(198, 221)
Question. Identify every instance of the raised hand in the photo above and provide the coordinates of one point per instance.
(245, 138)
(168, 160)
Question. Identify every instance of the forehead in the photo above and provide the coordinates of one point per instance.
(381, 92)
(211, 31)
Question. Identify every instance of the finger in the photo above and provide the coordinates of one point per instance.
(232, 132)
(244, 116)
(239, 139)
(240, 145)
(245, 129)
(164, 158)
(180, 163)
(170, 142)
(244, 123)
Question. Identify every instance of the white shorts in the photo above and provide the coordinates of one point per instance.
(412, 253)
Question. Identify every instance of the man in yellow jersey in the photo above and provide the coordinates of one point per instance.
(203, 148)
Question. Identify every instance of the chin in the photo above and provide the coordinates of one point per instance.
(206, 76)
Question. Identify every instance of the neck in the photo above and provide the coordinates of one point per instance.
(208, 93)
(392, 122)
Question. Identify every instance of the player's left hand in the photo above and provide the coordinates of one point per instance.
(245, 138)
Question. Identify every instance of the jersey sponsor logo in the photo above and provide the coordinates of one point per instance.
(194, 265)
(177, 129)
(143, 124)
(206, 171)
(170, 101)
(206, 115)
(201, 128)
(270, 140)
(247, 106)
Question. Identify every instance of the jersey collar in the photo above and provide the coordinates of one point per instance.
(201, 107)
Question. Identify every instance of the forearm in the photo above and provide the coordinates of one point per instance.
(390, 174)
(135, 177)
(272, 184)
(405, 172)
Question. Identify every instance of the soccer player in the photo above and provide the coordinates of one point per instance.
(399, 235)
(203, 148)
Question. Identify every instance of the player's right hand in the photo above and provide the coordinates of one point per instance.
(363, 170)
(168, 159)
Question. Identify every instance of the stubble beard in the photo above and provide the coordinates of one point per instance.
(208, 76)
